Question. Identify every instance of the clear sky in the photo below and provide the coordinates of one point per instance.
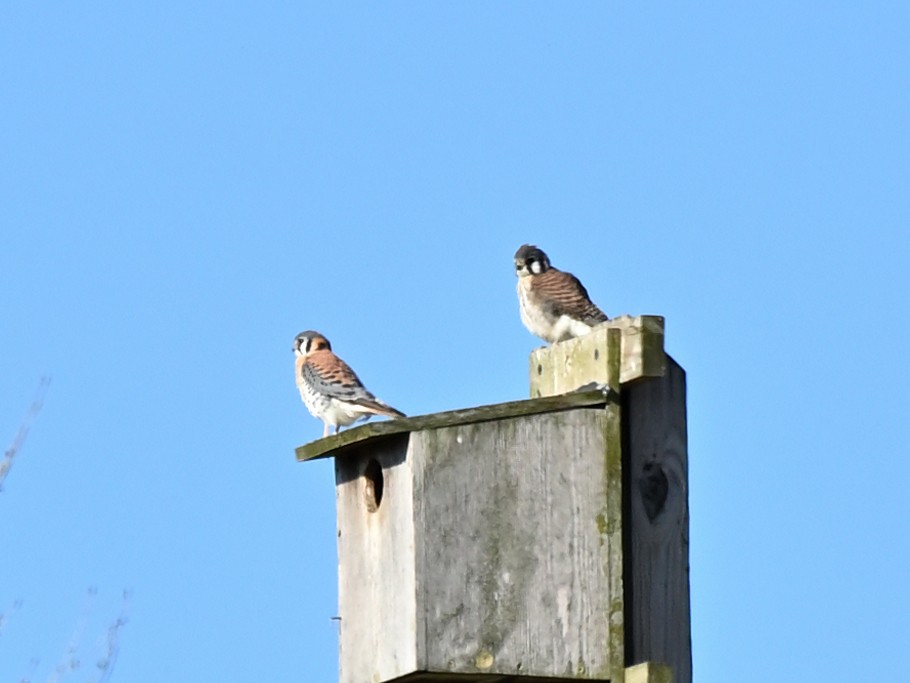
(185, 186)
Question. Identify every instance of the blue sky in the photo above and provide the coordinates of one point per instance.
(185, 186)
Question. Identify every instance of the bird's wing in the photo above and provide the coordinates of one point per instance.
(564, 294)
(332, 377)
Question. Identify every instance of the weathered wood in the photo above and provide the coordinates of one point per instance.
(337, 443)
(649, 672)
(591, 360)
(568, 365)
(496, 550)
(480, 678)
(613, 504)
(525, 594)
(377, 607)
(643, 352)
(656, 511)
(539, 541)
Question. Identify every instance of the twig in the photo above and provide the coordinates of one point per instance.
(106, 663)
(32, 667)
(70, 660)
(4, 616)
(21, 435)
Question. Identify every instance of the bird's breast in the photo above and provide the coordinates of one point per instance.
(533, 314)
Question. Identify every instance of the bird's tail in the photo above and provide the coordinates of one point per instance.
(374, 405)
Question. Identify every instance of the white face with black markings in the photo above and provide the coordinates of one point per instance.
(307, 342)
(529, 260)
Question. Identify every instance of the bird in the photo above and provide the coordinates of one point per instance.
(330, 389)
(554, 304)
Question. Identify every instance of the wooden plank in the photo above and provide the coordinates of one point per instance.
(643, 352)
(657, 522)
(568, 365)
(613, 512)
(429, 677)
(649, 672)
(377, 581)
(337, 443)
(491, 555)
(517, 546)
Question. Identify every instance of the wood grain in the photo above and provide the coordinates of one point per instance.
(495, 551)
(657, 519)
(536, 541)
(516, 546)
(377, 591)
(337, 443)
(568, 365)
(649, 672)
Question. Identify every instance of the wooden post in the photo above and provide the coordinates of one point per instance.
(649, 672)
(538, 541)
(656, 509)
(655, 478)
(564, 367)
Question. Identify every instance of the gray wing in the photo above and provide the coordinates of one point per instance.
(330, 376)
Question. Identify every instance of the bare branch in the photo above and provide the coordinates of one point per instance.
(21, 435)
(32, 667)
(4, 616)
(70, 661)
(107, 661)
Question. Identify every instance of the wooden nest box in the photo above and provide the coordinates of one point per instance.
(537, 541)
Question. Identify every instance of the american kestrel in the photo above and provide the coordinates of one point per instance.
(554, 304)
(329, 388)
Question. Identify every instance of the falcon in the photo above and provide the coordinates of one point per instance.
(329, 388)
(554, 304)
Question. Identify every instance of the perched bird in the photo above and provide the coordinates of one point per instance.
(554, 304)
(329, 388)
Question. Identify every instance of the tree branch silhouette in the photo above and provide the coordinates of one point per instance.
(7, 463)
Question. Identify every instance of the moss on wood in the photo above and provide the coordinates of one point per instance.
(337, 443)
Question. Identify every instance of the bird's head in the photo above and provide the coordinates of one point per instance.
(529, 260)
(309, 341)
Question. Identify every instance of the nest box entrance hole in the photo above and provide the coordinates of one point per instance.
(373, 484)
